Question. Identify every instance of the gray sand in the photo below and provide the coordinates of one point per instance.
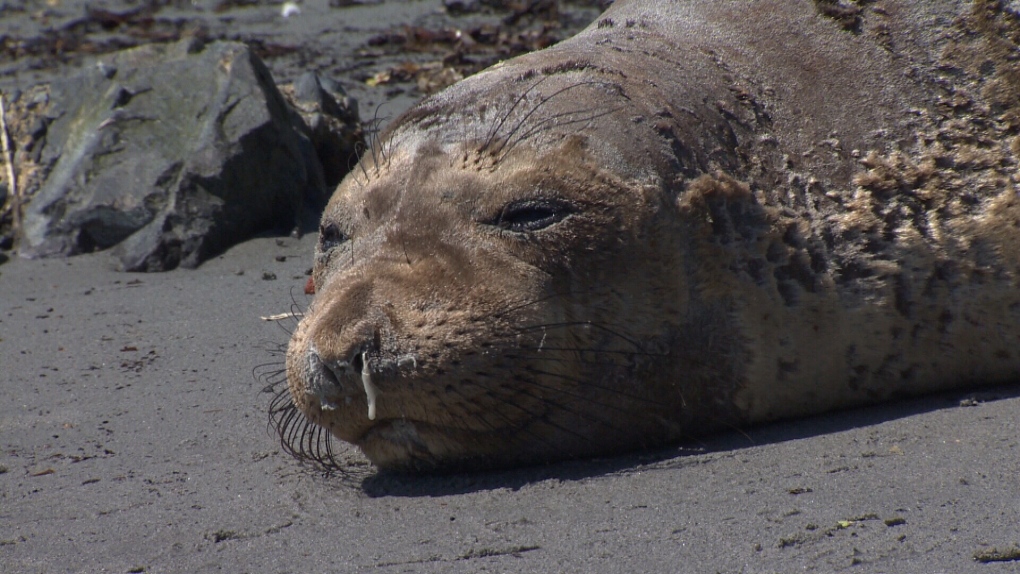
(133, 438)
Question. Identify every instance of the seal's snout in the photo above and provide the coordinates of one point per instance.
(345, 365)
(332, 381)
(336, 383)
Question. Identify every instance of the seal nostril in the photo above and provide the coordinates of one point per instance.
(323, 380)
(330, 380)
(333, 378)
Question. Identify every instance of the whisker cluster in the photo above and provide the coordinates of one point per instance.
(299, 437)
(498, 145)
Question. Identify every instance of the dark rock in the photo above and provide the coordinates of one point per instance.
(460, 7)
(38, 99)
(172, 153)
(331, 117)
(38, 129)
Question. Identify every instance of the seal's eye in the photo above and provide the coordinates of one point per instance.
(330, 236)
(531, 215)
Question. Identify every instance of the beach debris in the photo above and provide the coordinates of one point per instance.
(280, 316)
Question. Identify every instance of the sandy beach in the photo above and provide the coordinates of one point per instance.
(134, 431)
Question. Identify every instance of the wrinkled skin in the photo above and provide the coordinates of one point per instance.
(693, 214)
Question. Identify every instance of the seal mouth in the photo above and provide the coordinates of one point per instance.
(409, 446)
(404, 444)
(392, 430)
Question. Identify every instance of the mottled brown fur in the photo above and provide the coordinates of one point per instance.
(748, 211)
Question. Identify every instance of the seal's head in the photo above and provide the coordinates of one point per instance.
(488, 294)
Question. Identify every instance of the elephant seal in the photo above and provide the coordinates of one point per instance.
(693, 214)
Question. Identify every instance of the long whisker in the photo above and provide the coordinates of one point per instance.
(589, 350)
(509, 145)
(590, 385)
(520, 123)
(298, 436)
(359, 148)
(560, 360)
(546, 401)
(588, 324)
(376, 141)
(513, 428)
(499, 125)
(550, 296)
(565, 407)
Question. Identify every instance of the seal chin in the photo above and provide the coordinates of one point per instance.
(405, 446)
(397, 445)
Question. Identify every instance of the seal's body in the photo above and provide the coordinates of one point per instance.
(694, 213)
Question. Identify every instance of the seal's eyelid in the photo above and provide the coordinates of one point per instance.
(531, 215)
(330, 236)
